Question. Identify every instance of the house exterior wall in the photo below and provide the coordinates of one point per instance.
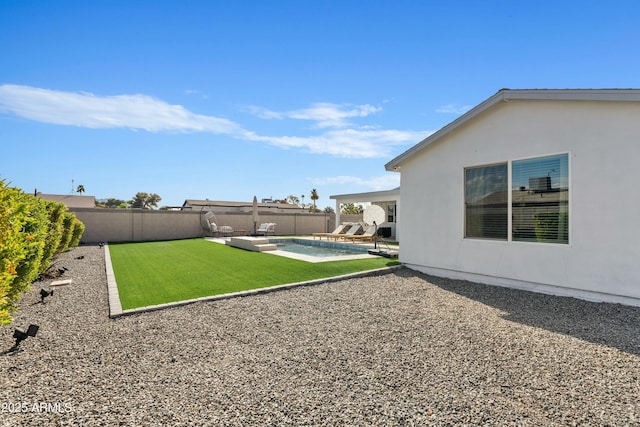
(391, 225)
(601, 260)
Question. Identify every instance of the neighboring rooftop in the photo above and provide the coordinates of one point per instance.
(69, 200)
(226, 206)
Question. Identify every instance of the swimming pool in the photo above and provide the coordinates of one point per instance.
(317, 249)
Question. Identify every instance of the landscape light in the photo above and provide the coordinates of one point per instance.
(45, 293)
(20, 336)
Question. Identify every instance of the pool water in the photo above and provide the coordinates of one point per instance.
(318, 249)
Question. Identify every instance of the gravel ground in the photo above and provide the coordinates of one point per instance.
(397, 349)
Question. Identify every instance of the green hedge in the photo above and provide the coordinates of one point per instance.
(76, 234)
(67, 231)
(32, 232)
(56, 213)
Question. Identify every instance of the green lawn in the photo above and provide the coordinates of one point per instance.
(160, 272)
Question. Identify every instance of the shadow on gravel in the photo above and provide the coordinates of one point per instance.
(612, 325)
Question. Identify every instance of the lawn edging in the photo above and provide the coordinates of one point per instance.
(115, 307)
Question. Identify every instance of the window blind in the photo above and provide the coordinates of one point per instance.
(486, 202)
(540, 199)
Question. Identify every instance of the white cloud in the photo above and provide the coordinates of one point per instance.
(142, 112)
(348, 142)
(196, 92)
(120, 111)
(453, 109)
(262, 113)
(377, 183)
(325, 114)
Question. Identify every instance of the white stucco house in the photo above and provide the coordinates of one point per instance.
(532, 189)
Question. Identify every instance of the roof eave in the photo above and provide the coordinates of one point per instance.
(382, 193)
(395, 164)
(523, 94)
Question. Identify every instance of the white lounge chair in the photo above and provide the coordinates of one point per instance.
(354, 230)
(369, 234)
(335, 234)
(225, 230)
(266, 228)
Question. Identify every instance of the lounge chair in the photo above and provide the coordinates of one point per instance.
(225, 230)
(219, 231)
(335, 234)
(369, 234)
(266, 228)
(354, 230)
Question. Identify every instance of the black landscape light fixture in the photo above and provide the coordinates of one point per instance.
(20, 336)
(45, 293)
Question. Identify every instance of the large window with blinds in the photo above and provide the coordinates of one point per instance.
(486, 201)
(539, 197)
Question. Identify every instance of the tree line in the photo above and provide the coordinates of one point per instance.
(144, 200)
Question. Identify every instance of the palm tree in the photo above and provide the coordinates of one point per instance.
(80, 189)
(314, 197)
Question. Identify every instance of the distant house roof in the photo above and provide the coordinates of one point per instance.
(70, 201)
(517, 94)
(237, 206)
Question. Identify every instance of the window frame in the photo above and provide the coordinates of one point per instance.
(510, 238)
(464, 195)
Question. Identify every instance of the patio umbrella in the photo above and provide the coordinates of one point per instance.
(256, 218)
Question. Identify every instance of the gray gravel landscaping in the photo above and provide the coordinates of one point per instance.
(395, 349)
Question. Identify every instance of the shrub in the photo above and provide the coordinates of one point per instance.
(32, 238)
(32, 232)
(56, 211)
(78, 231)
(67, 231)
(11, 249)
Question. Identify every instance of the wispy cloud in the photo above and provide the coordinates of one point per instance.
(120, 111)
(348, 142)
(142, 112)
(324, 114)
(376, 183)
(453, 109)
(195, 92)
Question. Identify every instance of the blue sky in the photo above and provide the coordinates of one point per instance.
(227, 100)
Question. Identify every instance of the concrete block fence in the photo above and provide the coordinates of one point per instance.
(138, 225)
